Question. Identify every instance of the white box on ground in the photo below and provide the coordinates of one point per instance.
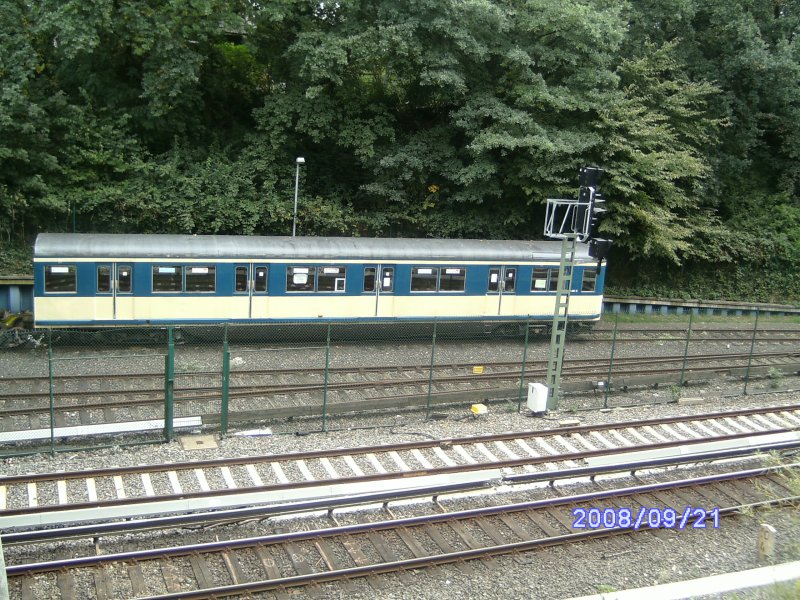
(537, 397)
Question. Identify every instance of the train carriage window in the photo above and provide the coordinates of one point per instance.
(331, 279)
(299, 279)
(553, 280)
(494, 280)
(103, 279)
(589, 283)
(387, 279)
(201, 279)
(124, 279)
(541, 279)
(423, 279)
(240, 279)
(167, 278)
(60, 278)
(452, 279)
(369, 279)
(260, 283)
(510, 281)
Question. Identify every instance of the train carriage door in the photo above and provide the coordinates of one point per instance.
(370, 290)
(242, 304)
(122, 291)
(104, 293)
(384, 291)
(493, 286)
(258, 292)
(502, 282)
(508, 291)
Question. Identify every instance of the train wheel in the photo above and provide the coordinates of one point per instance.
(115, 337)
(508, 330)
(539, 330)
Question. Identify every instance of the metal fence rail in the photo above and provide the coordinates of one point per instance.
(86, 389)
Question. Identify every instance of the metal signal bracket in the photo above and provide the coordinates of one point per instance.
(567, 218)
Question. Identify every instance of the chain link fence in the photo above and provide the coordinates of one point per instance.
(67, 389)
(686, 355)
(73, 389)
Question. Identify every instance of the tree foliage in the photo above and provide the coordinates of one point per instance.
(449, 118)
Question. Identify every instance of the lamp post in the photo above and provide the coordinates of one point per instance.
(299, 161)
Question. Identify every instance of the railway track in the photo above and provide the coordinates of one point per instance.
(661, 334)
(261, 381)
(53, 498)
(697, 334)
(84, 400)
(282, 561)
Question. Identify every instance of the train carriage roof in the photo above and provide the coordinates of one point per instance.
(161, 246)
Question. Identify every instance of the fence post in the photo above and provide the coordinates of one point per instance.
(750, 357)
(430, 371)
(611, 361)
(3, 577)
(686, 348)
(325, 386)
(524, 364)
(226, 378)
(169, 387)
(52, 392)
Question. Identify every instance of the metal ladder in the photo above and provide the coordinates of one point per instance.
(555, 359)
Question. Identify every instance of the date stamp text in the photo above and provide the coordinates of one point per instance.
(644, 517)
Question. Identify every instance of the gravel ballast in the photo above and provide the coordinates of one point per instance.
(636, 560)
(631, 561)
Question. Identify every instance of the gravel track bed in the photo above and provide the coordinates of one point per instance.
(347, 431)
(629, 561)
(626, 562)
(193, 362)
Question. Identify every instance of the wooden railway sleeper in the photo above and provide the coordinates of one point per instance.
(234, 570)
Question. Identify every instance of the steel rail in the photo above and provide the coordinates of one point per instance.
(510, 463)
(680, 328)
(704, 340)
(189, 394)
(440, 559)
(482, 512)
(460, 379)
(600, 369)
(597, 375)
(621, 330)
(403, 446)
(329, 504)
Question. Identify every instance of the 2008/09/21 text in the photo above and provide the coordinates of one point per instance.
(652, 518)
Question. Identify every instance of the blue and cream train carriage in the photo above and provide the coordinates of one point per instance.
(105, 280)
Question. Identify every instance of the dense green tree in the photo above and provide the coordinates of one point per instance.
(748, 51)
(27, 160)
(416, 117)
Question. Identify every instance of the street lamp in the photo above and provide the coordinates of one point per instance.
(299, 161)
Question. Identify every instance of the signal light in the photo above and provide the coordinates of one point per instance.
(580, 224)
(596, 210)
(590, 177)
(598, 249)
(588, 209)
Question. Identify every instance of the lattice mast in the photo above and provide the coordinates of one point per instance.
(571, 221)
